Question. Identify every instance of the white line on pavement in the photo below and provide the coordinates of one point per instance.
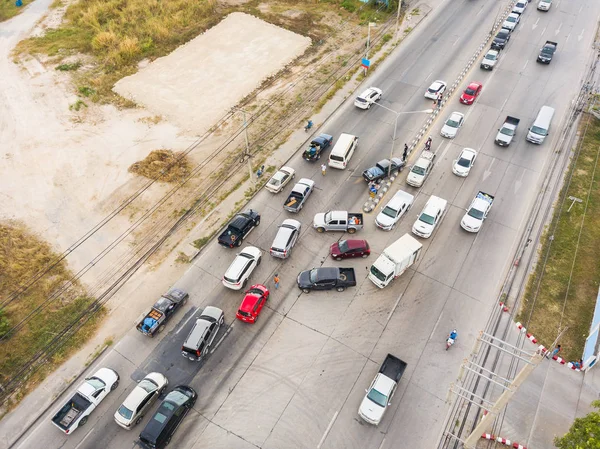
(456, 41)
(84, 438)
(383, 441)
(526, 62)
(436, 325)
(543, 31)
(184, 323)
(428, 76)
(504, 104)
(394, 308)
(221, 339)
(327, 430)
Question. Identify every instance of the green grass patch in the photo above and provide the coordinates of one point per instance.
(78, 105)
(68, 66)
(547, 311)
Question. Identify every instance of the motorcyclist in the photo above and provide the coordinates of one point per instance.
(453, 334)
(308, 125)
(428, 143)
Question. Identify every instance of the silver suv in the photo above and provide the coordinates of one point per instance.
(202, 335)
(286, 238)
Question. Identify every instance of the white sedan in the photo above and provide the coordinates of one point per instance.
(437, 87)
(280, 179)
(452, 125)
(368, 97)
(511, 21)
(138, 402)
(462, 165)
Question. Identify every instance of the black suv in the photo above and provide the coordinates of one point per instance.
(159, 430)
(239, 228)
(501, 39)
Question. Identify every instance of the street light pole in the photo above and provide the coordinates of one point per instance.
(247, 154)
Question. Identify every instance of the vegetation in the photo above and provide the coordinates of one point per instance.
(8, 9)
(164, 165)
(562, 293)
(584, 433)
(22, 255)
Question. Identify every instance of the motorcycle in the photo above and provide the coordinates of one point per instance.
(451, 339)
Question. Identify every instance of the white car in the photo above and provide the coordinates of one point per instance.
(511, 21)
(368, 97)
(520, 6)
(421, 169)
(394, 210)
(544, 5)
(489, 60)
(236, 276)
(452, 125)
(437, 87)
(428, 219)
(135, 406)
(280, 179)
(477, 212)
(462, 165)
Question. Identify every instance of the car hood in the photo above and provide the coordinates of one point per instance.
(422, 227)
(471, 222)
(304, 279)
(460, 170)
(373, 172)
(370, 410)
(503, 138)
(467, 97)
(414, 178)
(448, 130)
(319, 219)
(384, 220)
(499, 40)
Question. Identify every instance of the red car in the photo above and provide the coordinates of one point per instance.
(471, 93)
(253, 302)
(345, 249)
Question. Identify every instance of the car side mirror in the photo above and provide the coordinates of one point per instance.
(389, 403)
(366, 391)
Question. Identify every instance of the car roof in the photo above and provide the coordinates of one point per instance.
(135, 397)
(399, 198)
(194, 336)
(474, 84)
(437, 83)
(155, 427)
(456, 115)
(468, 151)
(434, 203)
(249, 301)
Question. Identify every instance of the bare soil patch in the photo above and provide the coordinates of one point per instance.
(164, 165)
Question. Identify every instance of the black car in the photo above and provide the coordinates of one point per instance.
(547, 52)
(381, 169)
(237, 230)
(159, 430)
(326, 278)
(317, 146)
(501, 39)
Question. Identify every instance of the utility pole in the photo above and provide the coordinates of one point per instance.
(371, 24)
(247, 154)
(397, 20)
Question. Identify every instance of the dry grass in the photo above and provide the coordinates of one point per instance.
(164, 165)
(553, 308)
(21, 256)
(8, 9)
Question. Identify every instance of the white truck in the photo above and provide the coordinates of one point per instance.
(421, 169)
(383, 387)
(477, 212)
(394, 260)
(87, 397)
(507, 131)
(338, 220)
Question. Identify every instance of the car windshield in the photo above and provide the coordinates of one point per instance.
(147, 385)
(389, 212)
(452, 123)
(433, 89)
(464, 162)
(241, 312)
(361, 100)
(511, 19)
(470, 91)
(125, 412)
(427, 219)
(502, 34)
(312, 275)
(255, 291)
(475, 213)
(343, 246)
(539, 131)
(491, 57)
(327, 217)
(377, 397)
(378, 274)
(507, 132)
(96, 383)
(418, 170)
(176, 397)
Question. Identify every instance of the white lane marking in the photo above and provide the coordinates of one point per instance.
(580, 9)
(534, 26)
(544, 30)
(504, 104)
(428, 76)
(580, 35)
(526, 62)
(488, 171)
(480, 11)
(456, 41)
(519, 182)
(184, 323)
(446, 149)
(557, 3)
(558, 29)
(394, 308)
(84, 438)
(221, 339)
(383, 441)
(436, 325)
(327, 430)
(567, 39)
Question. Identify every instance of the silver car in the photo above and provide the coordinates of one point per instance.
(138, 402)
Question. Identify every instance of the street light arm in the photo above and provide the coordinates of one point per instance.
(424, 111)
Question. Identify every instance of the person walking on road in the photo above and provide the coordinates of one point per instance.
(405, 154)
(555, 351)
(439, 99)
(323, 169)
(276, 281)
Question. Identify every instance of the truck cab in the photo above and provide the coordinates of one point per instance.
(394, 260)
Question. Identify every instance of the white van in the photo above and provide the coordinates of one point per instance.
(541, 125)
(343, 151)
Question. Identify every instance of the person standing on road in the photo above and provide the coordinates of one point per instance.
(276, 281)
(405, 154)
(555, 351)
(439, 99)
(323, 169)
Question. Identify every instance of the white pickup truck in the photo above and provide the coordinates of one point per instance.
(477, 212)
(421, 169)
(338, 220)
(87, 397)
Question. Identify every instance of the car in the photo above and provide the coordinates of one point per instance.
(137, 403)
(430, 217)
(346, 249)
(236, 276)
(393, 211)
(452, 125)
(382, 169)
(501, 39)
(238, 228)
(421, 169)
(462, 165)
(489, 60)
(316, 147)
(174, 407)
(511, 21)
(544, 5)
(287, 236)
(471, 93)
(437, 87)
(368, 97)
(520, 6)
(254, 300)
(279, 180)
(197, 344)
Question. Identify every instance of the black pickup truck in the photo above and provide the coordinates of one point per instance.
(547, 52)
(317, 146)
(326, 278)
(237, 230)
(154, 321)
(382, 169)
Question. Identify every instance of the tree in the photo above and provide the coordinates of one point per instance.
(584, 433)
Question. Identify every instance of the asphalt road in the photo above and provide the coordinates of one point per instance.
(297, 376)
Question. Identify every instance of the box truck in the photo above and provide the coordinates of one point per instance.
(394, 260)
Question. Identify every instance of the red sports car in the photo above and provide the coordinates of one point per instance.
(345, 249)
(471, 93)
(253, 302)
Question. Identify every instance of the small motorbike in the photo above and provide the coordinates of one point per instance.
(451, 339)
